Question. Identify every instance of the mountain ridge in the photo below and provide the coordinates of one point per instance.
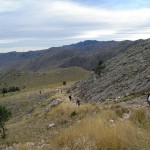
(83, 54)
(125, 75)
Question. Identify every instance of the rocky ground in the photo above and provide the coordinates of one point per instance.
(125, 75)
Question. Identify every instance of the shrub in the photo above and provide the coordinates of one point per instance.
(64, 83)
(121, 110)
(140, 117)
(74, 113)
(99, 68)
(4, 116)
(4, 90)
(10, 89)
(13, 89)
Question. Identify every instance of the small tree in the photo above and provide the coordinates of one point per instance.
(99, 68)
(4, 116)
(64, 83)
(4, 90)
(17, 89)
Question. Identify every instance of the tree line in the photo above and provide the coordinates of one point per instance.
(10, 89)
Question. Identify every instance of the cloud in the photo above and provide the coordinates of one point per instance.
(95, 34)
(9, 5)
(46, 23)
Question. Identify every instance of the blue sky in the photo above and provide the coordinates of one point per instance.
(38, 24)
(119, 4)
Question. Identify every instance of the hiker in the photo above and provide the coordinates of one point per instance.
(148, 99)
(70, 97)
(78, 102)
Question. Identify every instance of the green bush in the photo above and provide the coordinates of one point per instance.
(10, 89)
(4, 90)
(74, 113)
(64, 83)
(99, 68)
(4, 116)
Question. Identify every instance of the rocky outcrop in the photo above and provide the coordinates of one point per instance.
(53, 103)
(124, 75)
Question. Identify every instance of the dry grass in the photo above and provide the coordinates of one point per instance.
(94, 127)
(33, 127)
(98, 133)
(31, 146)
(93, 132)
(119, 109)
(141, 118)
(62, 113)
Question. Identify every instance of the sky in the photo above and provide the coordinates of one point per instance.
(39, 24)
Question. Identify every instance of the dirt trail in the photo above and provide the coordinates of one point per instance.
(65, 97)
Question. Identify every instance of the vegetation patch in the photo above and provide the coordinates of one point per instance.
(73, 114)
(4, 117)
(9, 90)
(99, 68)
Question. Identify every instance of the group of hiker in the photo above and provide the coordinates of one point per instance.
(77, 100)
(70, 98)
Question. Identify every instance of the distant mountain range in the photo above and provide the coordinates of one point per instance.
(83, 54)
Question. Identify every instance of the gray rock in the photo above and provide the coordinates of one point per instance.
(124, 75)
(53, 103)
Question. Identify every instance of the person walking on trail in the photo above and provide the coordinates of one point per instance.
(148, 99)
(70, 97)
(78, 102)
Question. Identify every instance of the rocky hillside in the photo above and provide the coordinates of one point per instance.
(83, 54)
(125, 75)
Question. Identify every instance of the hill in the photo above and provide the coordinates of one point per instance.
(26, 80)
(44, 118)
(50, 121)
(125, 76)
(83, 54)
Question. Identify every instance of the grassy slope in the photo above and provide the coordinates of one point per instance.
(90, 129)
(38, 80)
(26, 106)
